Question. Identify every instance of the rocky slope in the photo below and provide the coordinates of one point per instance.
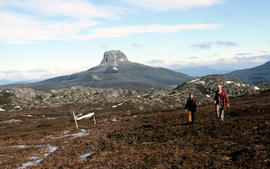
(265, 85)
(115, 71)
(154, 98)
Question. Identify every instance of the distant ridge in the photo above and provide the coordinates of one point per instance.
(253, 75)
(115, 71)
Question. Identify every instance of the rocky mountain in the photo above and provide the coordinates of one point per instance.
(153, 98)
(115, 71)
(253, 75)
(205, 87)
(265, 85)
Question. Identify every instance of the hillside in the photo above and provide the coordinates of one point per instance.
(127, 137)
(155, 98)
(253, 75)
(115, 71)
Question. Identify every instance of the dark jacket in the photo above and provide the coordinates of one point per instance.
(220, 98)
(191, 104)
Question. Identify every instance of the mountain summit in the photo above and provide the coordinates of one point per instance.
(115, 71)
(114, 57)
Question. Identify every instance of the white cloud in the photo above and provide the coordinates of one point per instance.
(71, 8)
(38, 73)
(23, 29)
(165, 5)
(38, 20)
(115, 32)
(209, 45)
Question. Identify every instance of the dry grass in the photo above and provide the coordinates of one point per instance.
(143, 138)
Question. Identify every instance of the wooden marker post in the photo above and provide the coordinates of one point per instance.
(94, 120)
(75, 119)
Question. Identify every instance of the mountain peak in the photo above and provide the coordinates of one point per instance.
(114, 57)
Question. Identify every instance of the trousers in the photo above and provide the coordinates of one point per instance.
(191, 116)
(220, 112)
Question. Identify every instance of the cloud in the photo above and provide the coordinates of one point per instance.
(206, 45)
(32, 21)
(116, 32)
(137, 45)
(209, 45)
(70, 8)
(225, 44)
(155, 62)
(37, 74)
(39, 20)
(235, 62)
(24, 29)
(165, 5)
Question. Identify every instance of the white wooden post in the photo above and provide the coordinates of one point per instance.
(75, 119)
(94, 120)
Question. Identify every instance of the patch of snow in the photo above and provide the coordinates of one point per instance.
(12, 121)
(35, 159)
(30, 163)
(2, 110)
(83, 132)
(192, 81)
(85, 156)
(20, 146)
(207, 95)
(197, 81)
(17, 107)
(117, 105)
(256, 88)
(95, 77)
(238, 84)
(80, 134)
(229, 82)
(115, 68)
(66, 132)
(85, 116)
(15, 146)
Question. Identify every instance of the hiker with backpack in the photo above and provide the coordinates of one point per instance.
(219, 101)
(191, 107)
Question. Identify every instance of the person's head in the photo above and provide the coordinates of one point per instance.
(190, 95)
(219, 87)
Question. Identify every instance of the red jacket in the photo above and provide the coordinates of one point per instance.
(220, 98)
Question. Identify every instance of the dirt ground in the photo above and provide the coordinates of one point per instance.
(125, 137)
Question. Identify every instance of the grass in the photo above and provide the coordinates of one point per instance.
(145, 138)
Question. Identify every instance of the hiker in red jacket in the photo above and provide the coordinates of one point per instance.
(191, 107)
(219, 100)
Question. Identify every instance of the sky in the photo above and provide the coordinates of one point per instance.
(41, 39)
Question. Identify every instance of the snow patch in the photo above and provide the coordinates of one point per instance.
(83, 132)
(256, 88)
(229, 82)
(207, 95)
(2, 110)
(115, 68)
(114, 106)
(95, 77)
(197, 81)
(34, 160)
(15, 146)
(85, 156)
